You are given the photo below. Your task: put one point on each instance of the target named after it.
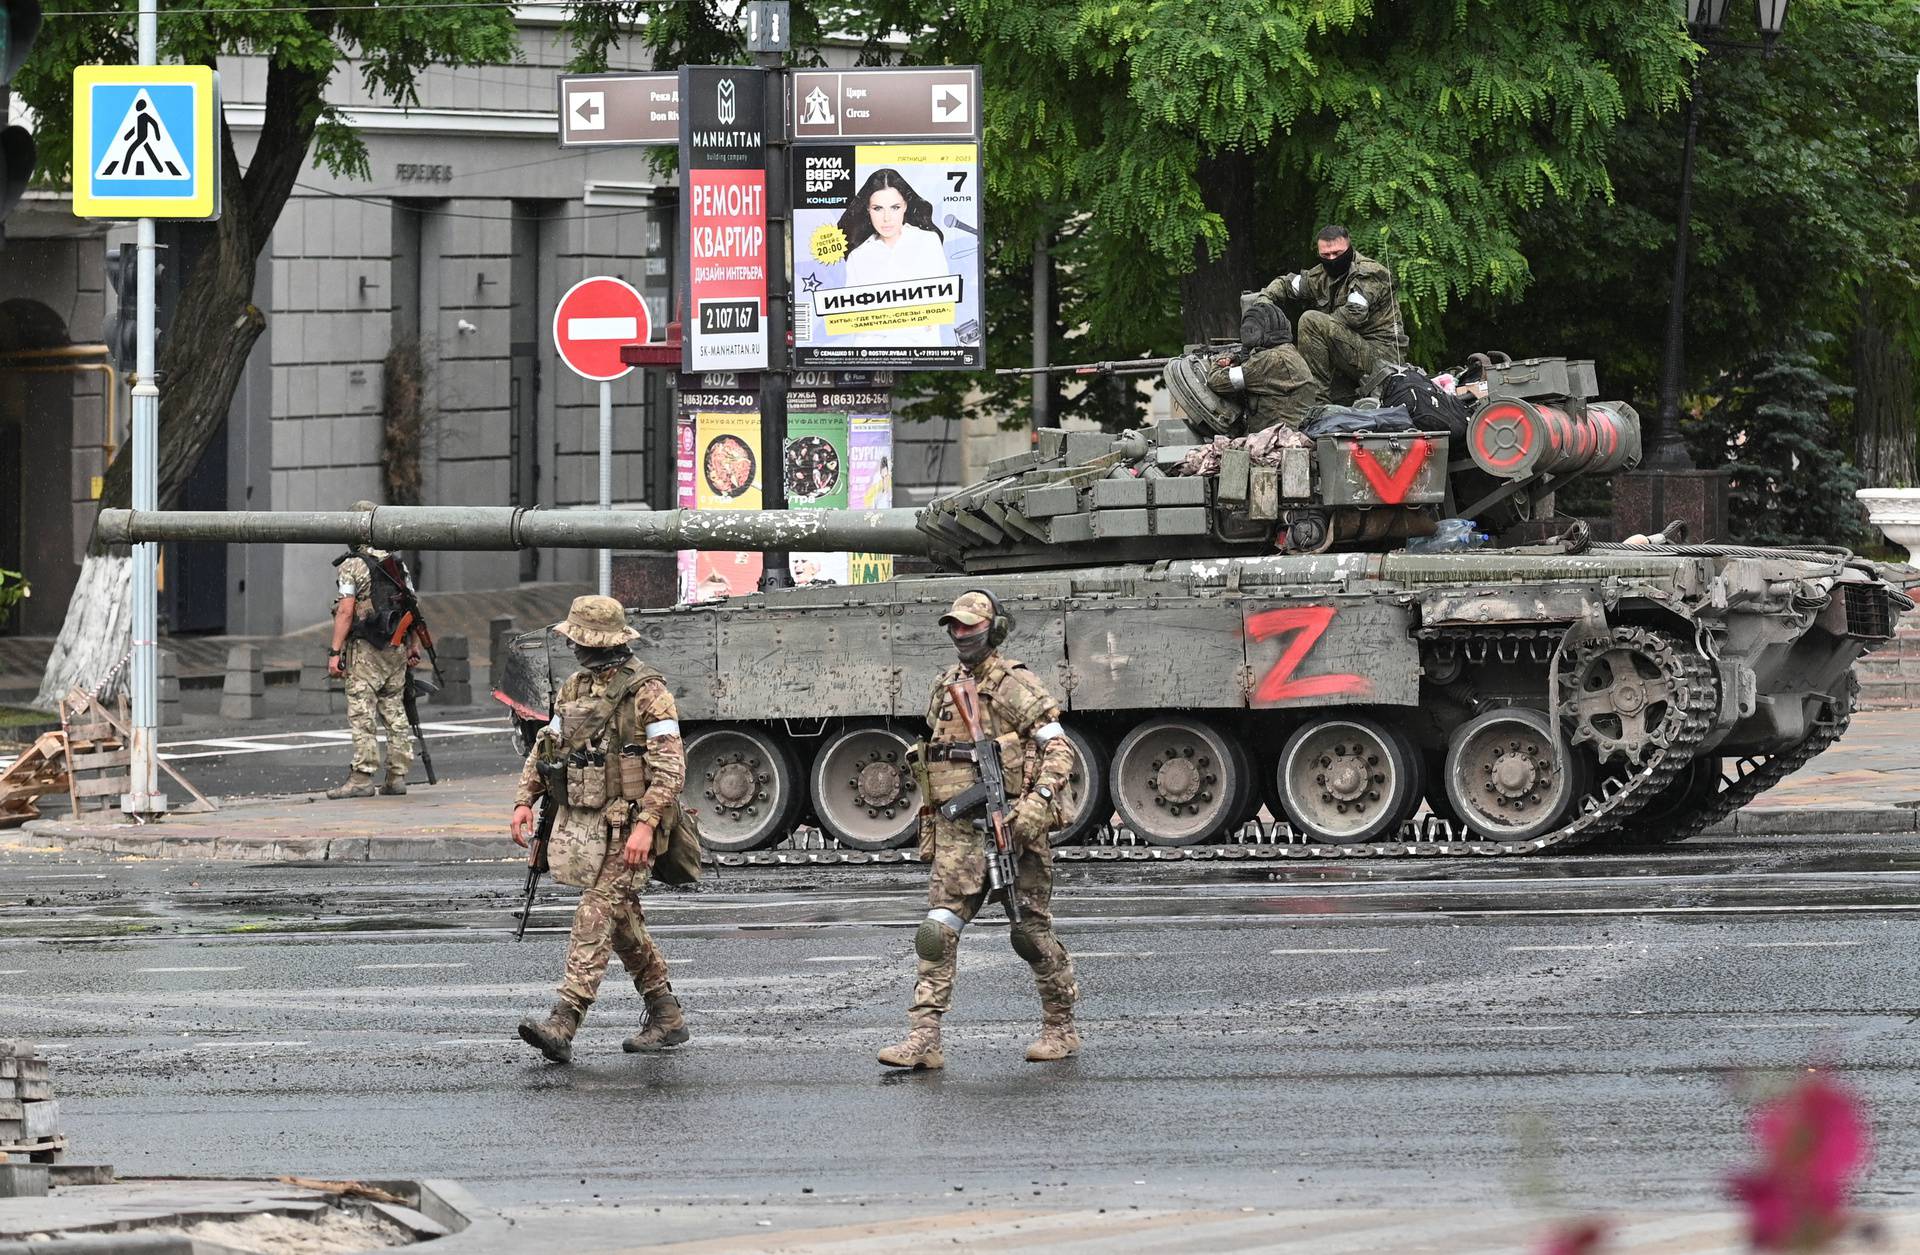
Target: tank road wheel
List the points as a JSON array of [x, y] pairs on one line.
[[1085, 801], [1671, 813], [1348, 778], [863, 790], [745, 783], [1177, 781], [1501, 776]]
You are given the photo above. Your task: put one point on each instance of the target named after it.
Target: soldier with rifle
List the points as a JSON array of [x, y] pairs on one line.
[[607, 771], [991, 775], [373, 651]]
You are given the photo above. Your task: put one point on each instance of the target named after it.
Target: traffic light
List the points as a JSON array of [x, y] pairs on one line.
[[119, 328], [19, 23]]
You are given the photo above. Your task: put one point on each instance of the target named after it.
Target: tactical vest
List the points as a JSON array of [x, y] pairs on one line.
[[948, 778]]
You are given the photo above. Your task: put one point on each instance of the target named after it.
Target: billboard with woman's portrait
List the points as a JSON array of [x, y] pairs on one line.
[[886, 256]]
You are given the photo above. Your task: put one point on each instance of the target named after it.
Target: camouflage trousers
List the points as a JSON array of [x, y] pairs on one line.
[[607, 922], [376, 685], [959, 885], [1337, 355]]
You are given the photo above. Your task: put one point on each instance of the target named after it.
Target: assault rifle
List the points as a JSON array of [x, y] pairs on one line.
[[988, 796], [548, 802], [412, 623]]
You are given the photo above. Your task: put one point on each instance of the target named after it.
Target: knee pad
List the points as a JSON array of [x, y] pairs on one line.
[[930, 939], [1026, 944]]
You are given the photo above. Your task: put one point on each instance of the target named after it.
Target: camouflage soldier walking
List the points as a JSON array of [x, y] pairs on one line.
[[1015, 707], [1352, 323], [618, 734], [1268, 371], [375, 671]]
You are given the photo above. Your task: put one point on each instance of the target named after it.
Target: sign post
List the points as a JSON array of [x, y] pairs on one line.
[[144, 146], [590, 324]]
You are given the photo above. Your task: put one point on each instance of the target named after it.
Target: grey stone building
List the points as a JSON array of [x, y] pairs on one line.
[[408, 340]]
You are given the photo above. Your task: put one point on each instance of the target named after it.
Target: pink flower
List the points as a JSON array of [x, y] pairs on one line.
[[1813, 1145], [1575, 1237]]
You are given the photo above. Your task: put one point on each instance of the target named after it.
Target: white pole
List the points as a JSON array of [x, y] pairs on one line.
[[606, 479], [144, 796]]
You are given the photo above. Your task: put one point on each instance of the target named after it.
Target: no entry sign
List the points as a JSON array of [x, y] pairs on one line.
[[593, 320]]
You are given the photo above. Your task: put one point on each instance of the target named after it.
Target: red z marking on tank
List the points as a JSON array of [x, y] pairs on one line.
[[1310, 624], [1392, 489]]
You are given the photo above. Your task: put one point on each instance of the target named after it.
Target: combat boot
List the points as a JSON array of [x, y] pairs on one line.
[[920, 1049], [665, 1027], [553, 1036], [358, 784], [396, 786], [1057, 1040]]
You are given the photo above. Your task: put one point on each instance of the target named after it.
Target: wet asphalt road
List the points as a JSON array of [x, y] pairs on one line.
[[1409, 1034]]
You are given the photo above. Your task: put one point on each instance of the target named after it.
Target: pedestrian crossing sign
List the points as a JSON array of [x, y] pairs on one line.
[[144, 141]]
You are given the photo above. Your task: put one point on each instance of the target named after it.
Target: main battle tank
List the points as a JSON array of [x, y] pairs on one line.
[[1238, 623]]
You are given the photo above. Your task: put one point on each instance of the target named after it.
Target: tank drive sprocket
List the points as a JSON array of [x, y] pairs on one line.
[[1620, 691]]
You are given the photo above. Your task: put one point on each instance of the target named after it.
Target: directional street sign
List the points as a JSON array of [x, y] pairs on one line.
[[593, 320], [904, 102], [144, 141], [608, 109]]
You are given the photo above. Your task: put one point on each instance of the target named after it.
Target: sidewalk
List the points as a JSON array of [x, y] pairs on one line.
[[1869, 783]]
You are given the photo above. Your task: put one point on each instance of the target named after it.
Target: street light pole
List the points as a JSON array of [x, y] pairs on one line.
[[1669, 449], [143, 795]]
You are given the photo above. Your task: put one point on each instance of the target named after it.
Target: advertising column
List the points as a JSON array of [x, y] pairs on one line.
[[839, 451], [722, 156]]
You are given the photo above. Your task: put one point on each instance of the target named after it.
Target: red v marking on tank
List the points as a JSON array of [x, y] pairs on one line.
[[1310, 623], [1392, 489]]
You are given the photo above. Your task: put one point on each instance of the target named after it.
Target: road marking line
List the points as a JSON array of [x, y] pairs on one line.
[[1783, 945], [845, 958], [189, 969], [480, 1041], [1112, 954], [1529, 949], [253, 743], [243, 1045], [1514, 1028], [13, 971], [1338, 950], [397, 967]]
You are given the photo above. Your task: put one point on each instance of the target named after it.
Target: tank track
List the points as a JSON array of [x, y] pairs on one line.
[[1599, 812], [1757, 775]]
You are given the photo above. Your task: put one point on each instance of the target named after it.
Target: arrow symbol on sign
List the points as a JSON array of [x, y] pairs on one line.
[[586, 109]]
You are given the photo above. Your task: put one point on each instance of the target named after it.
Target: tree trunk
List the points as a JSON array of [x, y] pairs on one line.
[[213, 332], [1884, 418], [1210, 292]]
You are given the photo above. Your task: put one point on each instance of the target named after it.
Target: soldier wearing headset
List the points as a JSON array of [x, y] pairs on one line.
[[1016, 708]]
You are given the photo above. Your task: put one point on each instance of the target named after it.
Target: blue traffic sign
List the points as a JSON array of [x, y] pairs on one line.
[[144, 141]]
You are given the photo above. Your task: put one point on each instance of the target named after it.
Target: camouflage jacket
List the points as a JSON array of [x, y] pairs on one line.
[[1375, 317], [1017, 709], [356, 581], [1276, 383], [649, 714]]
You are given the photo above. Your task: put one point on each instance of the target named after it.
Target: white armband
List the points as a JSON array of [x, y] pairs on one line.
[[1237, 380], [1356, 300], [663, 727], [1047, 731], [1296, 285], [346, 588]]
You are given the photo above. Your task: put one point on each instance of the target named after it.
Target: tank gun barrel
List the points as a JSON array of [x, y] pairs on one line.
[[510, 527]]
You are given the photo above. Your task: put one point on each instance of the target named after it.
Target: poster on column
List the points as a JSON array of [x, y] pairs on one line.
[[723, 113], [871, 441], [719, 456], [886, 256], [817, 468]]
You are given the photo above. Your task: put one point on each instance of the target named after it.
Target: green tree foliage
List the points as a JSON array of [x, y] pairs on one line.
[[1772, 427], [388, 43], [1805, 161]]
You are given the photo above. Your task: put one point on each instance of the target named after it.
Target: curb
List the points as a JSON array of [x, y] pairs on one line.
[[144, 841]]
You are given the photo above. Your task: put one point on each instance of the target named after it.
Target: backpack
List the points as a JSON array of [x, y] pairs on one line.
[[1429, 406], [1341, 420], [676, 839], [396, 603]]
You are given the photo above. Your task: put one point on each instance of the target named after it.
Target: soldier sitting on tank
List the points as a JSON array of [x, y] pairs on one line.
[[1267, 372], [1352, 323]]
